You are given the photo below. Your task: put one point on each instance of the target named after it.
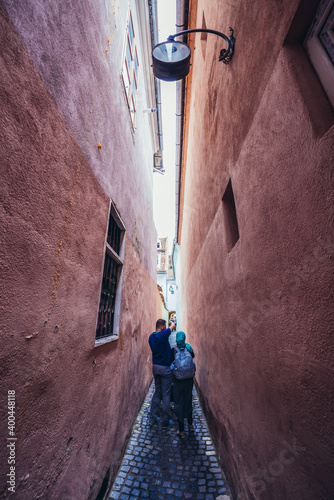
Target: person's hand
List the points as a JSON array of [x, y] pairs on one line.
[[171, 325]]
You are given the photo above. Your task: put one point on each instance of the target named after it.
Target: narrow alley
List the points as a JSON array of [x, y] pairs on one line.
[[158, 465], [217, 115]]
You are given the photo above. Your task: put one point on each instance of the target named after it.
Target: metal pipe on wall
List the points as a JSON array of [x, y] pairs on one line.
[[155, 41]]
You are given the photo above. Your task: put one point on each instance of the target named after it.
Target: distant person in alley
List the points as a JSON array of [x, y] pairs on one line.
[[161, 359], [183, 369]]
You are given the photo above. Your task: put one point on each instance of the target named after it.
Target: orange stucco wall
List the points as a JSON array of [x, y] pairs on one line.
[[260, 315]]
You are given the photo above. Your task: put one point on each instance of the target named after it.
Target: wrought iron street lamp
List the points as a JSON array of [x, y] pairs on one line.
[[171, 59]]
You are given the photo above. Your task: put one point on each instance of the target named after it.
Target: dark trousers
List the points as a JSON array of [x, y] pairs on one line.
[[163, 381], [183, 405]]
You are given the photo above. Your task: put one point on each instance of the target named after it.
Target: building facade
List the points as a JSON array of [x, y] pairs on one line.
[[162, 265], [162, 311], [171, 286], [255, 230], [78, 279]]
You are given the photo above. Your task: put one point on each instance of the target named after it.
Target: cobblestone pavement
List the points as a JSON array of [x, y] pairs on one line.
[[159, 465]]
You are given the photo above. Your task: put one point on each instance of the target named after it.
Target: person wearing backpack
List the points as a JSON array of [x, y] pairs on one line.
[[183, 369], [161, 360]]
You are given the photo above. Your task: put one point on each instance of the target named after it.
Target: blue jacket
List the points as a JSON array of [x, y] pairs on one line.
[[161, 350]]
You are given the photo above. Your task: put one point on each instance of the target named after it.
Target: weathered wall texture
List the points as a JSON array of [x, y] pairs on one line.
[[260, 315], [81, 69], [161, 311], [75, 404]]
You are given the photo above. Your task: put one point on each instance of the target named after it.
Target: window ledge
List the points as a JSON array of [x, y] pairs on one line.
[[105, 340]]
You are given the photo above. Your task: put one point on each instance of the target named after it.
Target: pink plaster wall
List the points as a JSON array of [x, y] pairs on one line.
[[260, 317], [68, 44], [75, 404]]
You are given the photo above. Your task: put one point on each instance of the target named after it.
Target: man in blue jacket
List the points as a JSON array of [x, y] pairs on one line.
[[161, 359]]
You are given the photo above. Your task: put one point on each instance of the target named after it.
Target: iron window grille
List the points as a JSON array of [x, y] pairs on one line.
[[107, 326]]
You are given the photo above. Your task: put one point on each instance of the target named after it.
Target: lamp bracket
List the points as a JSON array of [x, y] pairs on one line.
[[225, 54]]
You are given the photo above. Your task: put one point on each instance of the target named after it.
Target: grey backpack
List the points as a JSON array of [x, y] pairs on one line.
[[184, 367]]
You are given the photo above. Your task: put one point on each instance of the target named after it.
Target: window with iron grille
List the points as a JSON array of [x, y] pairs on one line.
[[130, 69], [107, 327]]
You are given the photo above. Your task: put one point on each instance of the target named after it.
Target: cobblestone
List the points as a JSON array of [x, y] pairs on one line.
[[158, 465]]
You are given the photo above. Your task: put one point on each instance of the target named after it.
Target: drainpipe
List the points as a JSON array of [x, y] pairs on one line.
[[182, 24], [155, 41]]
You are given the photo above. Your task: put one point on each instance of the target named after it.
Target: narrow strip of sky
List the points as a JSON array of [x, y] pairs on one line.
[[164, 185]]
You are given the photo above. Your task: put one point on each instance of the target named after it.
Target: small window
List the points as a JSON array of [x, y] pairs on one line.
[[107, 327], [230, 217], [319, 44], [130, 69], [128, 57]]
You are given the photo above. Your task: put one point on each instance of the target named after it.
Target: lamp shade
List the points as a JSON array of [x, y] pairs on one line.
[[171, 60]]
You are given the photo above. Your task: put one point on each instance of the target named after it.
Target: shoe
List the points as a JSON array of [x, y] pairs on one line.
[[181, 434]]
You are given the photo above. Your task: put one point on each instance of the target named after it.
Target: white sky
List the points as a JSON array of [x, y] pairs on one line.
[[164, 185]]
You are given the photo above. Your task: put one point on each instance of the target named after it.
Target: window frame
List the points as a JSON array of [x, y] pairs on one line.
[[316, 51], [119, 259], [132, 73]]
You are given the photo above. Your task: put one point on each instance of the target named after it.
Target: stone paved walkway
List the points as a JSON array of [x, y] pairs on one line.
[[159, 465]]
